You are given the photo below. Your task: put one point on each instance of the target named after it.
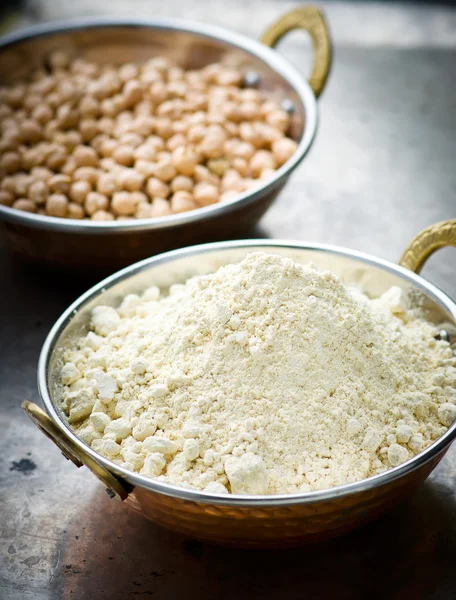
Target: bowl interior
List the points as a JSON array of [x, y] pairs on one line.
[[117, 43]]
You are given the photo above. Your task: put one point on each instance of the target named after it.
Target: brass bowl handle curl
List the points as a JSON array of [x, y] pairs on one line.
[[114, 487], [426, 243], [311, 19]]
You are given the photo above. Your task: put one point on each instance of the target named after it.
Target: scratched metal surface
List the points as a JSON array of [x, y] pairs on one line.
[[382, 168]]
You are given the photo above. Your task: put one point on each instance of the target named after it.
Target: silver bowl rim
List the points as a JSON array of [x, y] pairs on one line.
[[255, 48], [259, 501]]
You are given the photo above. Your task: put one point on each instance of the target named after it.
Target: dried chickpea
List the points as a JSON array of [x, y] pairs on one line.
[[182, 183], [57, 205], [42, 114], [205, 193], [128, 71], [196, 133], [25, 204], [232, 181], [131, 139], [158, 92], [175, 141], [107, 147], [157, 188], [249, 133], [283, 150], [211, 145], [163, 127], [106, 184], [5, 111], [38, 192], [56, 159], [30, 131], [79, 191], [89, 107], [95, 201], [145, 167], [10, 161], [145, 151], [85, 156], [67, 117], [123, 204], [89, 174], [130, 180], [261, 160], [241, 165], [278, 119], [88, 129], [58, 60], [267, 174], [202, 173], [218, 166], [22, 182], [124, 155], [143, 125], [15, 96], [41, 173], [69, 167], [59, 184], [182, 202], [75, 211], [165, 168], [72, 139], [106, 125], [102, 215], [185, 159], [160, 208], [132, 93], [6, 198]]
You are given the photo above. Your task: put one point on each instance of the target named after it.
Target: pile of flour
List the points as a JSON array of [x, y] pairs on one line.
[[265, 377]]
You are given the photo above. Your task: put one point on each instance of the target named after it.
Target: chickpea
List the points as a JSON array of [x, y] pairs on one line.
[[53, 99], [25, 204], [109, 164], [106, 184], [89, 107], [165, 168], [38, 192], [44, 86], [205, 193], [218, 166], [232, 181], [249, 111], [270, 134], [196, 133], [6, 198], [278, 119], [158, 63], [130, 180], [58, 60], [182, 202], [132, 93], [124, 155], [15, 96], [32, 101], [262, 159], [163, 127], [197, 118], [59, 184], [50, 129], [267, 174], [79, 191], [41, 173], [89, 174], [156, 187], [72, 139], [283, 150], [202, 173], [88, 129], [67, 117], [158, 92], [241, 165], [102, 215], [5, 111], [131, 139], [110, 108], [145, 168], [150, 76], [145, 151], [185, 159], [250, 95], [107, 147], [128, 71], [228, 195], [268, 106], [249, 133], [144, 125], [30, 131], [95, 201], [123, 204], [106, 125], [22, 183], [85, 156], [57, 205], [69, 167], [160, 208], [75, 211], [10, 161], [182, 183], [175, 141]]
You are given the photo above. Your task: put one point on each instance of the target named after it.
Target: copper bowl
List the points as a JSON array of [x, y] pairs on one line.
[[107, 246], [255, 521]]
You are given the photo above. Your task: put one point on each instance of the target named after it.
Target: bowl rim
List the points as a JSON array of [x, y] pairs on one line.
[[212, 32], [246, 501]]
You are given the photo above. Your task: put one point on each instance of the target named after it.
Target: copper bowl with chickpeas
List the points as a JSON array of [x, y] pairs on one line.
[[120, 139]]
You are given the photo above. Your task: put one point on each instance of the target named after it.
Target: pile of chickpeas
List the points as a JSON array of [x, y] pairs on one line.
[[86, 141]]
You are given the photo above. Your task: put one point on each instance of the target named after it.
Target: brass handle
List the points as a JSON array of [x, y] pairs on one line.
[[312, 20], [426, 243], [114, 487]]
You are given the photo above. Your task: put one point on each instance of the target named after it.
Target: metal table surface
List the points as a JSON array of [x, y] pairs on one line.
[[382, 168]]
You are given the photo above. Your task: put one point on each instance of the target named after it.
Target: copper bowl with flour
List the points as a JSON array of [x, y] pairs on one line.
[[250, 521], [106, 246]]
